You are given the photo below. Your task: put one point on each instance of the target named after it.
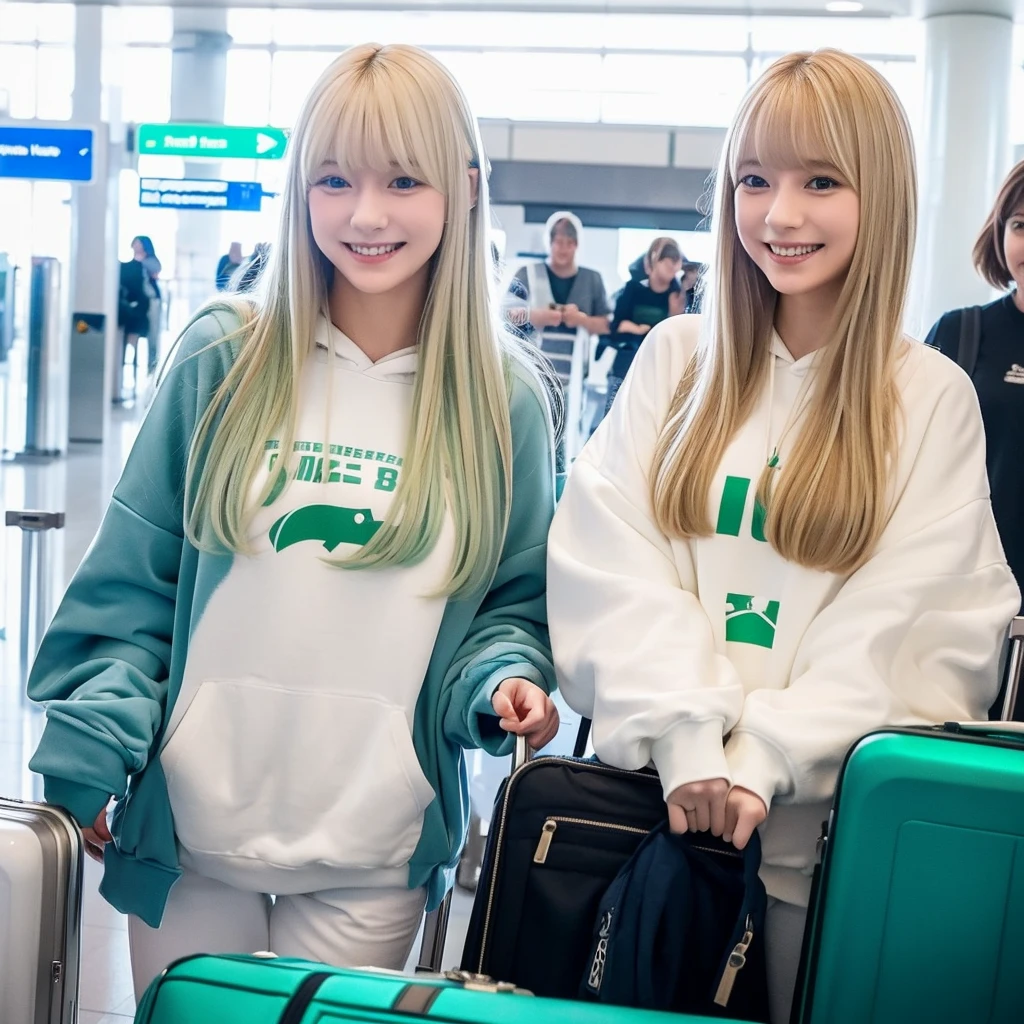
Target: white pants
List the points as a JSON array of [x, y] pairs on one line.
[[342, 927], [784, 936]]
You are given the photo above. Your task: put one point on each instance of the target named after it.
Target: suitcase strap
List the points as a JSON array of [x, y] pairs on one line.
[[296, 1008]]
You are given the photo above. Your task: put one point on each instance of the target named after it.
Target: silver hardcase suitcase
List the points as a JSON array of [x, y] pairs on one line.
[[40, 914]]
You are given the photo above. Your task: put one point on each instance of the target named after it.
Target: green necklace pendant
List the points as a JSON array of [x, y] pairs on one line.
[[773, 462]]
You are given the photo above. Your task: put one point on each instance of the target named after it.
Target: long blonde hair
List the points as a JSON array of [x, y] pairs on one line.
[[828, 506], [376, 107]]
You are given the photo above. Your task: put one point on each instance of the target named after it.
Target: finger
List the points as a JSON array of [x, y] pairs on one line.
[[744, 829], [512, 725], [702, 815], [718, 815], [731, 813], [691, 821], [503, 705], [102, 831], [94, 851], [551, 731], [677, 818], [533, 718]]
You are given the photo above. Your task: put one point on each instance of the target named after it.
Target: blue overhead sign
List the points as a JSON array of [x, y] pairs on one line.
[[53, 154], [200, 194]]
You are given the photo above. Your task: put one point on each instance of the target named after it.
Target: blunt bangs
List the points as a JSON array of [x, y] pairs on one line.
[[787, 123], [372, 117]]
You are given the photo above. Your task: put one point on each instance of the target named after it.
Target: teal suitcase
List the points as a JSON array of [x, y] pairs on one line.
[[265, 990], [918, 908]]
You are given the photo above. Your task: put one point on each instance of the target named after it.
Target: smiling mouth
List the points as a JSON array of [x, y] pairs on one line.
[[794, 250], [373, 250]]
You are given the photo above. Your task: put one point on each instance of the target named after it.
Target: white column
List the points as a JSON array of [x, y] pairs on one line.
[[198, 80], [93, 274], [964, 154]]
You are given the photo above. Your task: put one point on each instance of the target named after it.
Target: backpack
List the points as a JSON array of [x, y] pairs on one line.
[[681, 929]]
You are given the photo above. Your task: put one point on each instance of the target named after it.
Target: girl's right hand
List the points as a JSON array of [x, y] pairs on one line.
[[97, 837], [698, 806]]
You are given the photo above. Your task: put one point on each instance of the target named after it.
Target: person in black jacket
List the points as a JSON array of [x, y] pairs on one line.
[[998, 370], [642, 304]]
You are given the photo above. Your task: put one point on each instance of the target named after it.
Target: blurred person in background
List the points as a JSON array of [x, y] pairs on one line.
[[228, 264], [144, 253], [643, 303]]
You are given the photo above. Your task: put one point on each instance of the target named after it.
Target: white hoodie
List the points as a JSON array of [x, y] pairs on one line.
[[289, 757], [715, 657]]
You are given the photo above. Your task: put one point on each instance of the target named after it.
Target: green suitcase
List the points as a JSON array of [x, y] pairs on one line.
[[261, 989], [919, 896]]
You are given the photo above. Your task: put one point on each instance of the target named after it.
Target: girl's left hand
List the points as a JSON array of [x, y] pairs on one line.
[[744, 811], [526, 710]]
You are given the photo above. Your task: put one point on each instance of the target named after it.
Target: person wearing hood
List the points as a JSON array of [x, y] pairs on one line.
[[323, 568], [781, 539]]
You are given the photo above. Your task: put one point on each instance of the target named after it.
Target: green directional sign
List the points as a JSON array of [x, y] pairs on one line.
[[214, 141]]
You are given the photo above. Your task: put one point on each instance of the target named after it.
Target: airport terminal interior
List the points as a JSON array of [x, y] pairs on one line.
[[145, 144]]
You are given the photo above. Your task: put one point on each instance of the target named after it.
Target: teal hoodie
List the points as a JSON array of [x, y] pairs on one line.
[[112, 664]]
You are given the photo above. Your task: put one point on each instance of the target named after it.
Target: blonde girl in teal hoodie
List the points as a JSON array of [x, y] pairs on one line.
[[321, 575]]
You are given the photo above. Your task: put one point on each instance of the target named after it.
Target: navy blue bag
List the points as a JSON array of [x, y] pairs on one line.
[[681, 929]]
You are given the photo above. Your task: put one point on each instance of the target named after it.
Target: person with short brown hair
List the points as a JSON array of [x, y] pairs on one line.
[[988, 342]]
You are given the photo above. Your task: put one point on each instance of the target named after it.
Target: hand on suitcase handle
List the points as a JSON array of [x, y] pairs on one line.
[[97, 837], [526, 710]]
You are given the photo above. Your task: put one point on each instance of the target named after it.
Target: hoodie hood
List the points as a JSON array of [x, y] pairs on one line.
[[397, 367]]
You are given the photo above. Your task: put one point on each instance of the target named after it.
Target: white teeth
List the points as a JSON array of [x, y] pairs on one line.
[[797, 250], [372, 250]]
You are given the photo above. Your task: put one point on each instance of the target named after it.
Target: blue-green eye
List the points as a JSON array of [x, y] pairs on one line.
[[404, 183], [333, 182], [753, 181]]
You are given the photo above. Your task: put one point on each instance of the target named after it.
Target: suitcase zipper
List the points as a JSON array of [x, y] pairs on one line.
[[736, 962], [501, 833], [547, 833]]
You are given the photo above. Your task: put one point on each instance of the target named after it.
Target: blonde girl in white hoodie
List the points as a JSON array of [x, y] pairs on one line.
[[781, 538]]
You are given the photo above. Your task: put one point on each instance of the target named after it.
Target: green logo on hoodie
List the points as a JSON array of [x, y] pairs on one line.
[[750, 620], [329, 524]]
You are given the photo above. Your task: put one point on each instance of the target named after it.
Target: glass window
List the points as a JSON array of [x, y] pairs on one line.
[[56, 23], [292, 77], [146, 24], [857, 35], [247, 91], [1017, 107], [697, 91], [18, 23], [675, 32], [56, 82], [251, 26], [528, 87], [145, 83], [308, 28], [18, 79]]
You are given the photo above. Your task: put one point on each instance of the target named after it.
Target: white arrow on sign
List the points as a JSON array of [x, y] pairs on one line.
[[264, 142], [83, 152]]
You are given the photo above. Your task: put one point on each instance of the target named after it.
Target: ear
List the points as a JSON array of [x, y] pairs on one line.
[[474, 186]]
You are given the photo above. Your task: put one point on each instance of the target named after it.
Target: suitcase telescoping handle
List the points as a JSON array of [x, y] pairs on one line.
[[435, 924], [1015, 663]]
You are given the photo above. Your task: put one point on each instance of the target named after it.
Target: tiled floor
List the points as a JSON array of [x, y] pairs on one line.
[[80, 485]]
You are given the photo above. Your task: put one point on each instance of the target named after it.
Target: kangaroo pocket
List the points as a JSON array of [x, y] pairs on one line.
[[295, 778]]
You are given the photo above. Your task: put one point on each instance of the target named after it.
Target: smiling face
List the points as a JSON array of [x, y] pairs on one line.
[[799, 225], [378, 228]]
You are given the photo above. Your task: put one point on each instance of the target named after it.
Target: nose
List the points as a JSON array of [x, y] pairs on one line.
[[369, 213], [786, 210]]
